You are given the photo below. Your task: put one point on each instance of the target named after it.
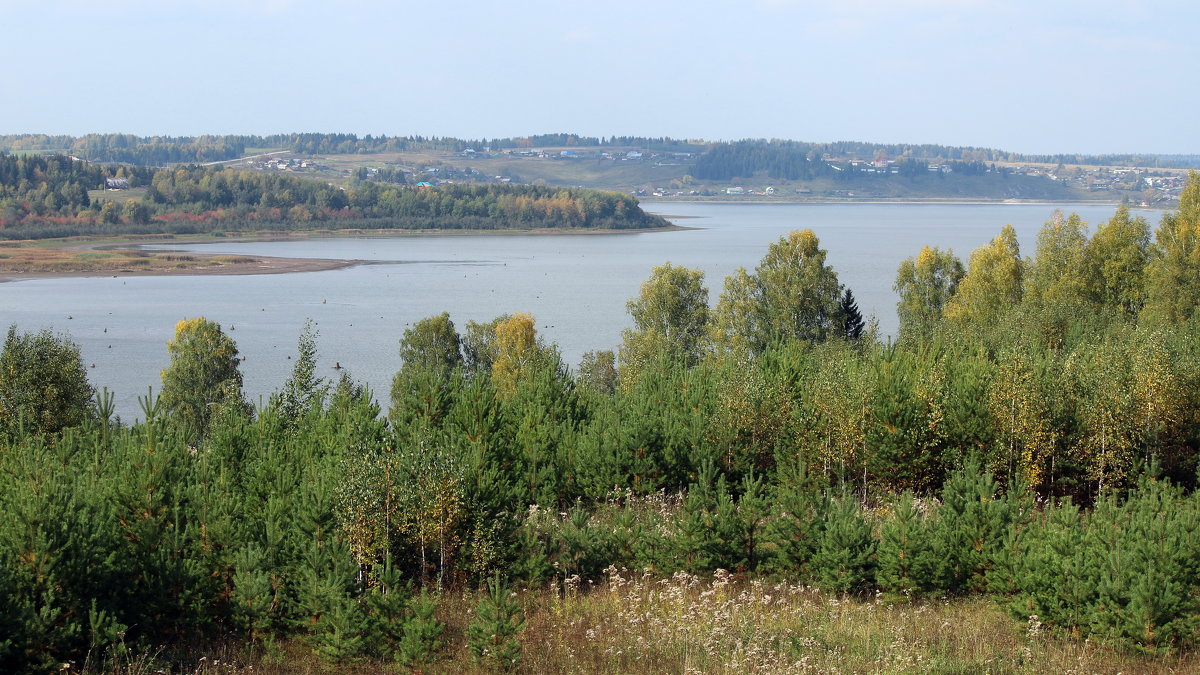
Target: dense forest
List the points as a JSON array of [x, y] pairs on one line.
[[804, 161], [44, 197], [162, 150], [1031, 436]]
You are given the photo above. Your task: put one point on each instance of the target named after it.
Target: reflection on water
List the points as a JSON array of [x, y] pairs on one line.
[[576, 286]]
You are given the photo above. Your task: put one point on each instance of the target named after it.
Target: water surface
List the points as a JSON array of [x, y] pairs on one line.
[[576, 286]]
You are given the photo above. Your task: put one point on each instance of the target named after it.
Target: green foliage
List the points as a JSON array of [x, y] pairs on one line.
[[925, 285], [314, 520], [844, 559], [792, 295], [203, 375], [798, 511], [493, 633], [422, 637], [43, 384], [970, 528], [670, 316], [993, 283], [206, 198], [1057, 276], [1126, 573], [1173, 274], [304, 391], [906, 557], [430, 354], [1116, 258], [598, 372]]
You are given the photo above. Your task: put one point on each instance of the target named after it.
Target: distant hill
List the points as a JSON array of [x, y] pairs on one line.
[[661, 167]]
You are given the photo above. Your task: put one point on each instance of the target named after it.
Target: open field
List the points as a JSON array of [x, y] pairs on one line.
[[647, 177], [117, 196]]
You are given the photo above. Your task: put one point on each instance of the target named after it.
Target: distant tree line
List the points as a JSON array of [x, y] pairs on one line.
[[932, 152], [47, 197], [789, 160], [162, 150], [131, 149]]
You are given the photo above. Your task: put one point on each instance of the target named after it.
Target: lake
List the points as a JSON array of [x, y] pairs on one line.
[[576, 286]]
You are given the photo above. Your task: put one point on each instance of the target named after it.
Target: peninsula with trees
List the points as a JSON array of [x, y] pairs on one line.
[[59, 196]]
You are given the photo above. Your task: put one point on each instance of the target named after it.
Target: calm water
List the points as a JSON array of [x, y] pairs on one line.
[[576, 286]]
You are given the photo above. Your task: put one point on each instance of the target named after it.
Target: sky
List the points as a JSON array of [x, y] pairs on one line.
[[1031, 76]]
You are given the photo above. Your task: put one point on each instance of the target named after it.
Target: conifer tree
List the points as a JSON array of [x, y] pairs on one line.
[[970, 529], [907, 561], [798, 509], [845, 556], [303, 391], [422, 633], [492, 634], [852, 323]]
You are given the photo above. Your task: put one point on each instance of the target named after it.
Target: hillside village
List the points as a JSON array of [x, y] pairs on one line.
[[652, 173]]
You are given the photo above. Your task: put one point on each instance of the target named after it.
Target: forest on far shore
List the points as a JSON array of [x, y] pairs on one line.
[[46, 197]]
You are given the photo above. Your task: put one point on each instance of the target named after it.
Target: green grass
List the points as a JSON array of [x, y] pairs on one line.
[[117, 196]]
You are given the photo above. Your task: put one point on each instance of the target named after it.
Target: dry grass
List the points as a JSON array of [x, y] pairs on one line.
[[38, 259], [638, 623]]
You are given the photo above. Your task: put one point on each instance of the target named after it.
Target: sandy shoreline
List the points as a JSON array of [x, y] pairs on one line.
[[261, 264]]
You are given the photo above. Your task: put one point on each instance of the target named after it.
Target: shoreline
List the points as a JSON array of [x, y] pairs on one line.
[[207, 264], [896, 202], [264, 265]]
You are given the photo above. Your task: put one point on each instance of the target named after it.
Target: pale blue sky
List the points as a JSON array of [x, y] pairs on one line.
[[1025, 75]]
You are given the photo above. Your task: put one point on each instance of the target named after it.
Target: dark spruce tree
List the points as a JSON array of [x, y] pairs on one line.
[[852, 319]]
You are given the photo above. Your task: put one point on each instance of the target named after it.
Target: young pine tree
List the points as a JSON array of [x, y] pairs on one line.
[[906, 559], [422, 633], [845, 556], [492, 635]]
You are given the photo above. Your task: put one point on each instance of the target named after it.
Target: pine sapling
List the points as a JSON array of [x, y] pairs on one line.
[[493, 633]]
